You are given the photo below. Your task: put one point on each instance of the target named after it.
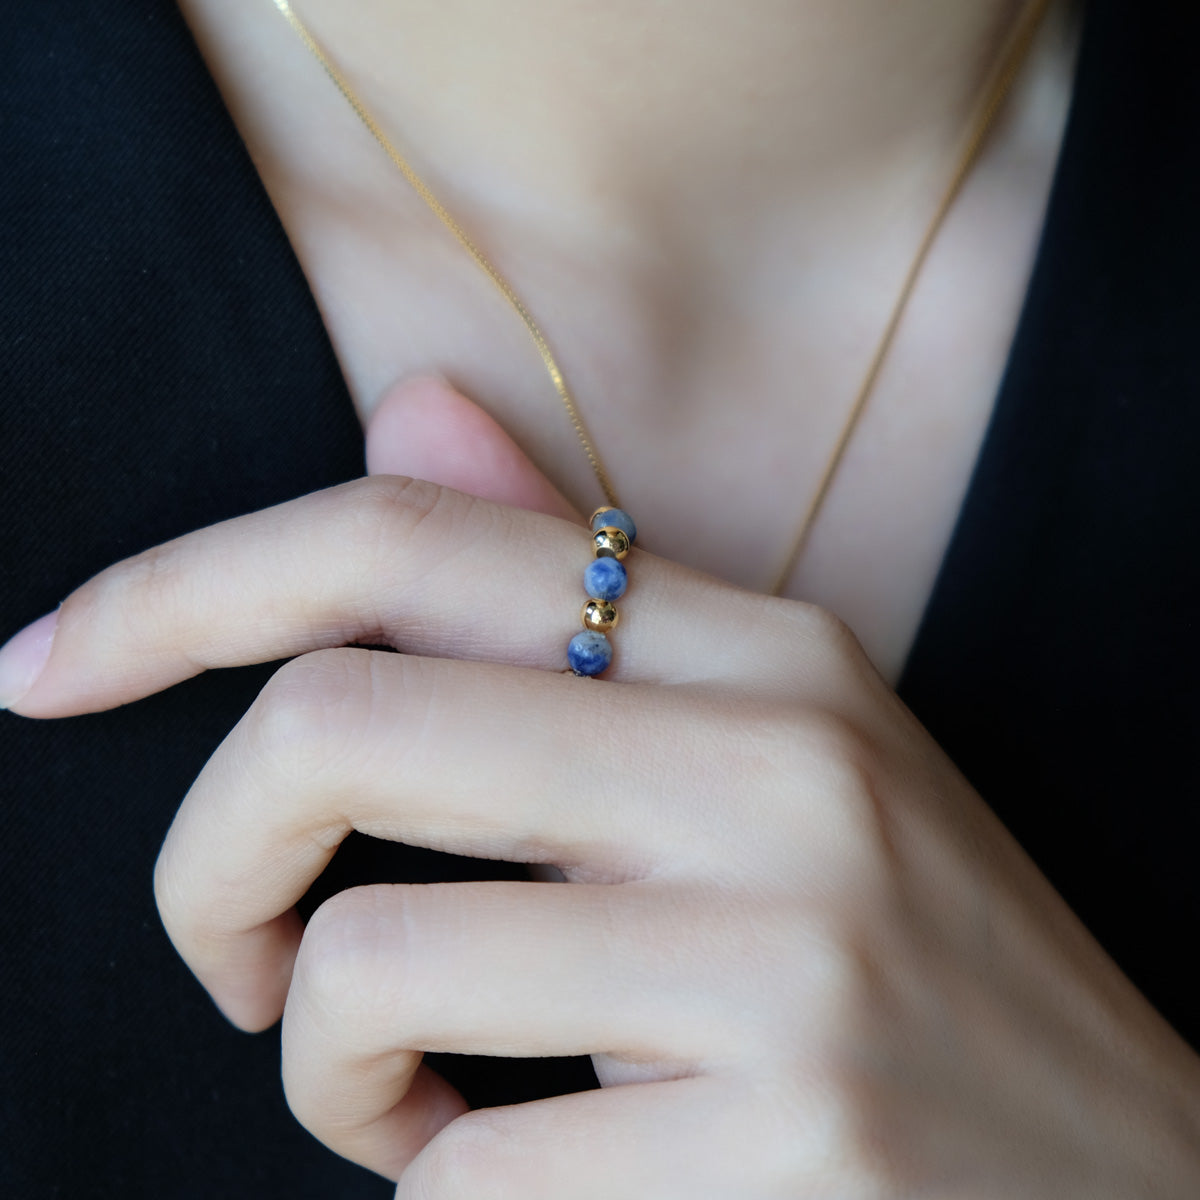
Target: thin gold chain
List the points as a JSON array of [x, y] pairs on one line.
[[1002, 79], [1007, 70]]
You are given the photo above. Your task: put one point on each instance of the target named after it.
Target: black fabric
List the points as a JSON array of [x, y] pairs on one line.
[[1058, 659], [164, 367]]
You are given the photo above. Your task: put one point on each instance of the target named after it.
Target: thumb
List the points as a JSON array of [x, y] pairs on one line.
[[425, 429]]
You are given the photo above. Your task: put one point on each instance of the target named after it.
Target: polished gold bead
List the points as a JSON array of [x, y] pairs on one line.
[[599, 616], [610, 542]]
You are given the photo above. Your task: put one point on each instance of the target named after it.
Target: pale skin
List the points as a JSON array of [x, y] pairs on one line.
[[806, 958], [713, 307]]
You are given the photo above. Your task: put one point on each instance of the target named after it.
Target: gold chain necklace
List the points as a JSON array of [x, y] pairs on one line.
[[1003, 76]]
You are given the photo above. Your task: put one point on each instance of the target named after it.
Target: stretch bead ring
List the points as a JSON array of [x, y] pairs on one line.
[[613, 534]]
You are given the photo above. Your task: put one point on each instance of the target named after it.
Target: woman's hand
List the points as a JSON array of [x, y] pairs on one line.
[[807, 959]]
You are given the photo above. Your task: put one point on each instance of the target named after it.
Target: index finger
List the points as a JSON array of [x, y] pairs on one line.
[[391, 560]]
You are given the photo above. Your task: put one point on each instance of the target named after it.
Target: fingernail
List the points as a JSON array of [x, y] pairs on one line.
[[22, 658]]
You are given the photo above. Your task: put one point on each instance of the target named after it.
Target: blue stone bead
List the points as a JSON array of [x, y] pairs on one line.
[[589, 653], [605, 579], [618, 519]]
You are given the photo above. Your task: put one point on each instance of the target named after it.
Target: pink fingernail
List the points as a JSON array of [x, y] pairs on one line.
[[22, 658]]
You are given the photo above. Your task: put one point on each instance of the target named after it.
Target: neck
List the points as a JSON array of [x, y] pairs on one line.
[[709, 210], [693, 117]]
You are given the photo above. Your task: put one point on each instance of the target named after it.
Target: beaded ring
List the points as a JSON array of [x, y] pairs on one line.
[[613, 533]]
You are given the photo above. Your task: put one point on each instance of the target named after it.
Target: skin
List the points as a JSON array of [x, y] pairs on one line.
[[693, 300], [806, 958]]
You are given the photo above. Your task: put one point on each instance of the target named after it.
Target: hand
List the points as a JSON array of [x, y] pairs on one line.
[[807, 959]]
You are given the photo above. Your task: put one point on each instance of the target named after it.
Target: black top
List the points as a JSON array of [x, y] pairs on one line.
[[164, 366]]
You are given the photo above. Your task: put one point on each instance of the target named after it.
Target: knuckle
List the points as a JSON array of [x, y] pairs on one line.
[[811, 643], [391, 502], [835, 1098], [858, 1151], [136, 599], [820, 1136], [840, 755], [828, 630], [342, 975], [814, 751], [183, 918], [818, 964], [387, 511], [309, 716], [818, 777], [469, 1157], [167, 896], [198, 918], [153, 575]]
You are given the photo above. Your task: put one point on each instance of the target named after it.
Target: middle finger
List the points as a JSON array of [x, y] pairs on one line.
[[487, 761]]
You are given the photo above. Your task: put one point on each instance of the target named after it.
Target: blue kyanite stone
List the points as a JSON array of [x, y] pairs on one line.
[[617, 518], [589, 653], [605, 579]]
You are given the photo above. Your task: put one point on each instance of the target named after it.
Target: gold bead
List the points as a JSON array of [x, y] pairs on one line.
[[599, 615], [610, 542]]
